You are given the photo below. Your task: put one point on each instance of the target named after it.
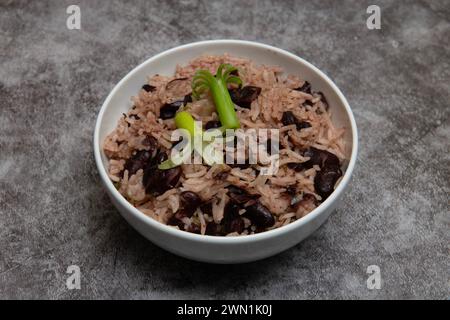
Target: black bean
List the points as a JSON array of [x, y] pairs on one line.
[[170, 178], [149, 174], [190, 202], [159, 181], [235, 225], [259, 229], [175, 220], [322, 158], [206, 208], [169, 110], [154, 161], [138, 161], [308, 103], [152, 165], [135, 116], [241, 196], [231, 211], [150, 142], [212, 229], [244, 97], [189, 199], [148, 88], [306, 87], [187, 99], [184, 213], [194, 228], [302, 125], [288, 119], [213, 124], [326, 179], [296, 166], [259, 215], [232, 222]]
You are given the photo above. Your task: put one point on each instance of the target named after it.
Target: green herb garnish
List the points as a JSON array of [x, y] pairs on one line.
[[183, 120], [218, 86]]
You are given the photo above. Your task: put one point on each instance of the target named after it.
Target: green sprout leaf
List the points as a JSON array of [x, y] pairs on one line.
[[217, 85]]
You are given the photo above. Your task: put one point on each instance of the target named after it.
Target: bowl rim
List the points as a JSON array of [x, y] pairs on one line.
[[142, 218]]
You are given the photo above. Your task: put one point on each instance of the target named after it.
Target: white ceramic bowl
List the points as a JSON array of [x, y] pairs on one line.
[[223, 249]]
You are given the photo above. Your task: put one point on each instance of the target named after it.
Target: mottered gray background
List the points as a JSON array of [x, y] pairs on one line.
[[54, 212]]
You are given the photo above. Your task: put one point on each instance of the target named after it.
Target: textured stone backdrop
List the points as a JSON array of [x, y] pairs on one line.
[[54, 213]]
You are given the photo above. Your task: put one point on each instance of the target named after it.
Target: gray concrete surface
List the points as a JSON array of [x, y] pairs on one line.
[[54, 213]]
